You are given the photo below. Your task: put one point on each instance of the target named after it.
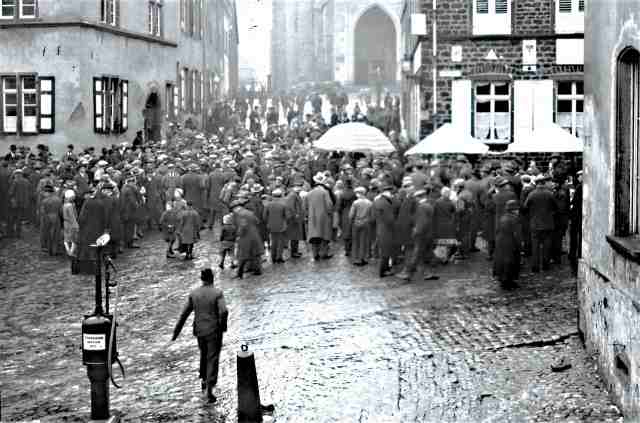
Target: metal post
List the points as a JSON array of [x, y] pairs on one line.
[[98, 310]]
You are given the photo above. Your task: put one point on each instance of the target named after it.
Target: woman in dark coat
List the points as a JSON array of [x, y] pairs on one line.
[[250, 246], [343, 206], [506, 266]]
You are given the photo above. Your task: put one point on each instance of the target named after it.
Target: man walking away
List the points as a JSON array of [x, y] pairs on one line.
[[209, 323]]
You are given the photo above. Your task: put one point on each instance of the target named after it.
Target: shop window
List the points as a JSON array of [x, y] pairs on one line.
[[27, 104], [627, 186], [570, 105], [110, 105], [492, 112], [491, 17]]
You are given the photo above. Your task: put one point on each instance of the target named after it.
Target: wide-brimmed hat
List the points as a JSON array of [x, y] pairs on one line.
[[277, 192], [319, 178]]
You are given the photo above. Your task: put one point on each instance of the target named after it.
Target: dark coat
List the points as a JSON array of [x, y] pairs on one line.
[[506, 264], [445, 212], [193, 186], [113, 220], [129, 202], [500, 201], [383, 213], [93, 223], [343, 206], [320, 209], [20, 193], [189, 226], [275, 216], [216, 180], [425, 223], [541, 207], [250, 245], [405, 220], [51, 222], [210, 312], [295, 224]]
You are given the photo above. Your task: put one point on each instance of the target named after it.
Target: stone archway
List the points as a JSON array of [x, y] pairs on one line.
[[375, 47], [153, 118]]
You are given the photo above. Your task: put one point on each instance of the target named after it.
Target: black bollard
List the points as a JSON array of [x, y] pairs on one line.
[[249, 410]]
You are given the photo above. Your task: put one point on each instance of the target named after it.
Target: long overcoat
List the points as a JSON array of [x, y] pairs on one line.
[[192, 184], [50, 222], [295, 223], [319, 211], [250, 245], [216, 180], [445, 215], [189, 226], [383, 213], [506, 264], [129, 202], [405, 220], [92, 222], [343, 206]]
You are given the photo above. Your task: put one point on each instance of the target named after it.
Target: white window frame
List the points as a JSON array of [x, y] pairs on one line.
[[183, 15], [3, 4], [24, 119], [574, 97], [6, 120], [154, 18], [492, 97], [110, 105], [105, 17], [491, 22], [570, 22], [33, 3]]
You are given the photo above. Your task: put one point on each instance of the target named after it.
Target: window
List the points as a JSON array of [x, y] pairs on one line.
[[18, 9], [183, 88], [154, 18], [627, 193], [110, 105], [110, 12], [493, 112], [194, 91], [168, 101], [491, 17], [26, 104], [183, 14], [569, 16], [569, 106]]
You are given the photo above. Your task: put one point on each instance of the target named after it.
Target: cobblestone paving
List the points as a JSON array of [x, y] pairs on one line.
[[332, 342]]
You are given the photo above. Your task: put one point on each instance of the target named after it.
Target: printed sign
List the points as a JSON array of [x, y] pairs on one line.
[[93, 342], [456, 54], [529, 55]]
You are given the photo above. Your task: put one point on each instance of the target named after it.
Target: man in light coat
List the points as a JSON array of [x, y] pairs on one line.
[[320, 215]]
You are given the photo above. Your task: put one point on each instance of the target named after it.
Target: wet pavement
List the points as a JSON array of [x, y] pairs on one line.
[[332, 342]]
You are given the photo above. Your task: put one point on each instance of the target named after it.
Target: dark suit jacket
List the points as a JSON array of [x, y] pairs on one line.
[[210, 312], [423, 229], [275, 216], [541, 207]]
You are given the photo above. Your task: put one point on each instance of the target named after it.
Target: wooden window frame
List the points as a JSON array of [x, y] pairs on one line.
[[109, 9], [492, 97], [574, 97], [52, 93], [19, 91], [22, 104]]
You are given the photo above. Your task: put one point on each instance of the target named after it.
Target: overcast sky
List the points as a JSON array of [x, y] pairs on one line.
[[254, 25]]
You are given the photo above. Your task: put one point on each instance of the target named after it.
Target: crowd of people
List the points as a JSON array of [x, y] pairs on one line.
[[266, 194]]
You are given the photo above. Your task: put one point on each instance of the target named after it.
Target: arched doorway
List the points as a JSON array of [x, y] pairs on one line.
[[153, 118], [375, 48]]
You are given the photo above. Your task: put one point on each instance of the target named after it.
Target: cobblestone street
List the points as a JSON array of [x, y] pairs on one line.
[[332, 342]]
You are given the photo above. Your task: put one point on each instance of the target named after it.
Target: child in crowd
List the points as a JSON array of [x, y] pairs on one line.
[[227, 239], [169, 223]]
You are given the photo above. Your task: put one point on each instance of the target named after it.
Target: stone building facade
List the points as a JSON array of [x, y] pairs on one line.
[[95, 72], [496, 68], [609, 275], [335, 40]]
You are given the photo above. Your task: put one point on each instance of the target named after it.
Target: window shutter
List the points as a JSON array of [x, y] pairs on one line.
[[565, 6], [581, 5], [482, 6], [502, 6], [46, 112], [98, 106], [124, 86], [543, 103], [523, 110], [461, 105]]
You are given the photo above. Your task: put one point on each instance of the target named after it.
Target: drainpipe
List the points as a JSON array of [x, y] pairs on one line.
[[435, 66]]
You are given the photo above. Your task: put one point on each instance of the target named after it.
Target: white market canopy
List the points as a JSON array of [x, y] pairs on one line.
[[449, 139], [550, 139], [354, 137]]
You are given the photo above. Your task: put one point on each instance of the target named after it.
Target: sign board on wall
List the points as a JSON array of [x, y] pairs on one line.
[[456, 54], [418, 24], [529, 52], [450, 73]]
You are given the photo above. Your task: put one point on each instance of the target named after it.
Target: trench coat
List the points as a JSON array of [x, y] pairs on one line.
[[383, 213], [189, 226], [112, 206], [249, 245], [216, 180], [295, 223], [275, 216], [405, 220], [320, 214], [506, 264], [129, 202]]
